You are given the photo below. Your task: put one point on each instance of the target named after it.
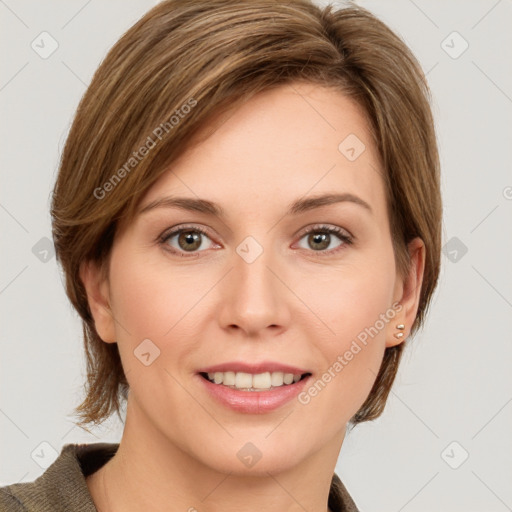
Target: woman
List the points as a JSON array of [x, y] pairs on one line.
[[248, 218]]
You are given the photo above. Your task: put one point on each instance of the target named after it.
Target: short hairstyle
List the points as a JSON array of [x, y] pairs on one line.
[[180, 66]]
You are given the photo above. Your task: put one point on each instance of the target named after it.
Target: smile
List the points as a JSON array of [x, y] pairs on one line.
[[244, 381]]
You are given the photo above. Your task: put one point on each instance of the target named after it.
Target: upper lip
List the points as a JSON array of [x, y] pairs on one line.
[[255, 368]]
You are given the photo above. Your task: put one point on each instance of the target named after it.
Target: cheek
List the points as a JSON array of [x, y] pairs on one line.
[[360, 303], [153, 302], [150, 299], [352, 296], [358, 309]]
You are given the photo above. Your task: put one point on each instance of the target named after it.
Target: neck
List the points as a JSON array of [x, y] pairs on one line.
[[149, 472]]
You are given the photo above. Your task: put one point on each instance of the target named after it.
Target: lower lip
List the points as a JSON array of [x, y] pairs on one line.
[[254, 402]]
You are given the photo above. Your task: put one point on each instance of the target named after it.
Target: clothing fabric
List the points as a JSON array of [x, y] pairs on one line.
[[62, 487]]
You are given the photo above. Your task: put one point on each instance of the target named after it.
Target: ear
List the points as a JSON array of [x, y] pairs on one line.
[[407, 293], [96, 285]]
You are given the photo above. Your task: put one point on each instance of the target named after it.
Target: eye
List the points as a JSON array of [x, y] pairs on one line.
[[186, 239], [319, 238], [190, 239]]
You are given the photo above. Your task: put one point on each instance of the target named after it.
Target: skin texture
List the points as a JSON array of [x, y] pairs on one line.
[[296, 304]]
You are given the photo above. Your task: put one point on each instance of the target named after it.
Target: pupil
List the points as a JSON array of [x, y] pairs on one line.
[[189, 237], [320, 239]]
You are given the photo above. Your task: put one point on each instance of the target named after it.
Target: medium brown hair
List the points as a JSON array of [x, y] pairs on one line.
[[212, 56]]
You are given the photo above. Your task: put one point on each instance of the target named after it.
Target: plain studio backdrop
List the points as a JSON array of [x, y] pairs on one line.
[[443, 442]]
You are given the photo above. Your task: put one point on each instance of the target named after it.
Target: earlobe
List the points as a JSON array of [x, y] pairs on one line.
[[409, 294], [398, 335], [97, 289]]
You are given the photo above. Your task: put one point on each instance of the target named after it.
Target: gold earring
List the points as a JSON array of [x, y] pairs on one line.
[[399, 335]]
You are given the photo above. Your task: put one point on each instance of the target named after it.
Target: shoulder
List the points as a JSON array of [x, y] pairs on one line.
[[62, 487], [339, 498], [9, 502]]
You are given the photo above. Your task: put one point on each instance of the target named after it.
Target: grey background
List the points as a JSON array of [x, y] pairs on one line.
[[454, 385]]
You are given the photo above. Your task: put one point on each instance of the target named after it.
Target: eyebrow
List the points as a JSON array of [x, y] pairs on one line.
[[210, 208]]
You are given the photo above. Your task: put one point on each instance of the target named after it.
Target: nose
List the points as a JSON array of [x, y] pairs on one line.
[[253, 297]]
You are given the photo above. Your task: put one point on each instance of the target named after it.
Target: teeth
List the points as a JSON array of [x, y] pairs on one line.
[[261, 381], [277, 379], [229, 379], [288, 378], [243, 380], [254, 382]]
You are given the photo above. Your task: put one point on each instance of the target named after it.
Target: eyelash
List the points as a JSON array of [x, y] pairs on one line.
[[321, 228]]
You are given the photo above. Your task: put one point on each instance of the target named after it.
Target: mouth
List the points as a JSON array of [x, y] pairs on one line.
[[254, 382], [253, 388]]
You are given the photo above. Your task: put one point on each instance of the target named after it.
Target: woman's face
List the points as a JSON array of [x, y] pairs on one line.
[[256, 293]]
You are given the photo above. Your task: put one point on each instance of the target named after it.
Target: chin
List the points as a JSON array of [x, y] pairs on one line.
[[251, 454]]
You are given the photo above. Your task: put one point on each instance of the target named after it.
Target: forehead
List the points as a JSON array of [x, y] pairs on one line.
[[284, 143]]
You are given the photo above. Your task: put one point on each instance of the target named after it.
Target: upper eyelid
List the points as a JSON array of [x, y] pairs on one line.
[[324, 227], [207, 229], [171, 232]]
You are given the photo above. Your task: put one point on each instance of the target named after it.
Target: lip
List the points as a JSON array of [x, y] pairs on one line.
[[254, 368], [254, 402]]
